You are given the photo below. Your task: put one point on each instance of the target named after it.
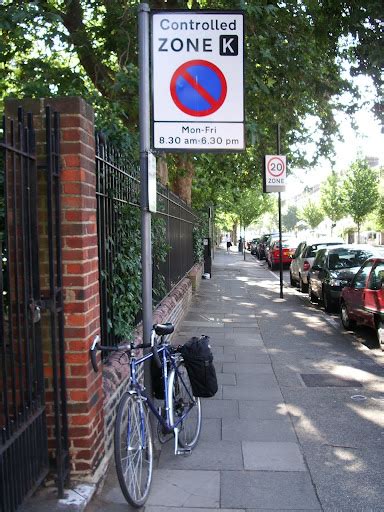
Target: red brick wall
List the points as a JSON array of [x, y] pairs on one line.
[[80, 277]]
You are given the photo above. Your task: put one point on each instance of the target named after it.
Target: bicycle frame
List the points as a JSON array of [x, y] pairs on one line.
[[135, 386]]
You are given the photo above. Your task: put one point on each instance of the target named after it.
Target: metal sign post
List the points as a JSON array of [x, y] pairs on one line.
[[144, 122], [274, 178], [279, 204]]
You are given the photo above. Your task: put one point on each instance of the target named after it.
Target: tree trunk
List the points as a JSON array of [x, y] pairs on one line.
[[182, 184]]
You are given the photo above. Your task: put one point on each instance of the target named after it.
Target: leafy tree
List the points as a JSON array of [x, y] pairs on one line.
[[289, 219], [295, 56], [380, 213], [361, 191], [312, 214], [332, 200]]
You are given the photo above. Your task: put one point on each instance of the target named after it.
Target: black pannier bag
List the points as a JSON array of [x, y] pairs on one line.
[[157, 380], [198, 359]]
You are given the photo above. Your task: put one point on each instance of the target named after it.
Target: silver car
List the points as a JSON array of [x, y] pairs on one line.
[[303, 258]]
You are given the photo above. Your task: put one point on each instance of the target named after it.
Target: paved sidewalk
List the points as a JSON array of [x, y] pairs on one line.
[[248, 456], [298, 421]]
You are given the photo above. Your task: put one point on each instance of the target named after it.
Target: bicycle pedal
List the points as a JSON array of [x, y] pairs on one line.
[[183, 451]]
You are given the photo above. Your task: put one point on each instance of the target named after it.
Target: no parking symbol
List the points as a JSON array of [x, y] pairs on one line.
[[198, 88]]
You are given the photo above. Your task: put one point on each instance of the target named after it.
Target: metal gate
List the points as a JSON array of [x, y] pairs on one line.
[[29, 207]]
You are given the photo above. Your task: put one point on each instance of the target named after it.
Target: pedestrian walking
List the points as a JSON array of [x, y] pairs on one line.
[[229, 243]]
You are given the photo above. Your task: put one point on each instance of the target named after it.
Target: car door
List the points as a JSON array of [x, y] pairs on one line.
[[356, 293], [373, 299], [317, 273], [296, 260]]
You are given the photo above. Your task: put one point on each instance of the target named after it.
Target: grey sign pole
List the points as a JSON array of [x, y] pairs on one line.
[[144, 122], [279, 202]]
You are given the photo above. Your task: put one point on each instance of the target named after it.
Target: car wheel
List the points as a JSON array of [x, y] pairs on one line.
[[345, 318], [380, 333], [303, 286], [327, 302], [291, 280], [312, 296]]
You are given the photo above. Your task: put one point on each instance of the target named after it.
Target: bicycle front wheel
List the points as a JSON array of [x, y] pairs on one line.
[[133, 449], [183, 405]]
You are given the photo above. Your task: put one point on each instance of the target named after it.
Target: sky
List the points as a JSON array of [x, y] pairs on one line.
[[367, 140]]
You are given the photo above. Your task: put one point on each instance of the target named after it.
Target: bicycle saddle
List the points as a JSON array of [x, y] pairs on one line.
[[164, 329]]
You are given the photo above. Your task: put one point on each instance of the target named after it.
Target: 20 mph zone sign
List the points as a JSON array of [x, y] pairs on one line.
[[197, 80], [275, 173]]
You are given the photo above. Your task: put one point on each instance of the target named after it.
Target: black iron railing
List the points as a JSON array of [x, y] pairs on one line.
[[118, 184], [23, 431], [30, 200]]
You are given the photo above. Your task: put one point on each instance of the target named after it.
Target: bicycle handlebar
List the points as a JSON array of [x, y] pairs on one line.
[[127, 347]]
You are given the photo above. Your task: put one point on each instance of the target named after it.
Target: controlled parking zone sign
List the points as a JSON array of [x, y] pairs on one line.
[[275, 173], [197, 80]]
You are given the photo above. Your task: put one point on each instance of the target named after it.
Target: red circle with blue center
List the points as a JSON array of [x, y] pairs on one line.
[[198, 88]]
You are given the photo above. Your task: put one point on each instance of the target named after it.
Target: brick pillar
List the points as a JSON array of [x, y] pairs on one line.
[[80, 277]]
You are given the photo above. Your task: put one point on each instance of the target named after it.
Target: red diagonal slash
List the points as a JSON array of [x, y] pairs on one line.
[[198, 88]]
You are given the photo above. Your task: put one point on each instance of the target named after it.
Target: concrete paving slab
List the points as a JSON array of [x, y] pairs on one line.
[[215, 408], [221, 340], [257, 380], [188, 509], [242, 341], [272, 456], [229, 379], [263, 410], [252, 393], [220, 356], [202, 325], [172, 488], [217, 455], [266, 490], [257, 430], [248, 368], [211, 430], [248, 354]]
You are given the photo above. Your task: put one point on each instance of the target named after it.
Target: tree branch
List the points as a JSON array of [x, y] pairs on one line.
[[100, 74]]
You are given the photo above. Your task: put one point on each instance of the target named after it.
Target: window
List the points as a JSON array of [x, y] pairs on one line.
[[362, 275], [299, 250], [320, 258], [377, 277], [311, 251]]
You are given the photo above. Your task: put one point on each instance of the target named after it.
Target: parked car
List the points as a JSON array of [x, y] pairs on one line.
[[288, 246], [252, 246], [362, 300], [260, 248], [333, 268], [268, 243], [303, 258]]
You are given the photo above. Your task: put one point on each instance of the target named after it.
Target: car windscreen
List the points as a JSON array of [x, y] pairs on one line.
[[312, 249], [347, 258], [285, 244]]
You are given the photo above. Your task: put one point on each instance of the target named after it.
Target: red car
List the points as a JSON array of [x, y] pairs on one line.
[[362, 300], [288, 249]]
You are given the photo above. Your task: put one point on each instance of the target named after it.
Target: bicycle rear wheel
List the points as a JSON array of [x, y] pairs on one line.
[[182, 401], [133, 449]]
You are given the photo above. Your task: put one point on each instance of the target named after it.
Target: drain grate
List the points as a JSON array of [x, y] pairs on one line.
[[319, 380]]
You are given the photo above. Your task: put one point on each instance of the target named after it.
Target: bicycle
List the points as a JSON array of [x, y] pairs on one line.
[[179, 415]]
